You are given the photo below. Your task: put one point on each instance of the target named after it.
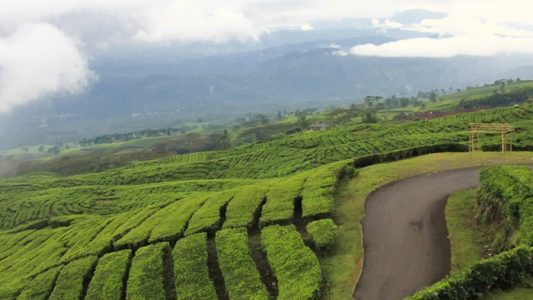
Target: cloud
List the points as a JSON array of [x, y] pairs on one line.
[[40, 55], [195, 20], [386, 24], [306, 27], [446, 47], [478, 28], [38, 60]]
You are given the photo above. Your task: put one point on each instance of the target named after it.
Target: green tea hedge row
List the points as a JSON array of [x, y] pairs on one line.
[[287, 155], [69, 284], [318, 189], [506, 196], [207, 217], [240, 274], [41, 286], [324, 233], [498, 272], [295, 266], [115, 229], [145, 280], [190, 268], [400, 154], [245, 203], [78, 240], [280, 200], [107, 282], [174, 222], [139, 234], [177, 213]]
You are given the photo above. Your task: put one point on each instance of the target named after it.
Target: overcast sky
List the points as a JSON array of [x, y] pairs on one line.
[[44, 44]]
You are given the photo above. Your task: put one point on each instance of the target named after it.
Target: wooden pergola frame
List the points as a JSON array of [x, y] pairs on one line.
[[491, 128]]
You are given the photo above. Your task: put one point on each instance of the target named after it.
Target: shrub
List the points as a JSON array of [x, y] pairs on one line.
[[190, 268], [146, 275], [176, 218], [69, 284], [505, 196], [238, 268], [109, 276], [295, 265], [41, 286], [498, 272], [324, 233], [207, 217], [368, 160], [244, 205], [280, 200]]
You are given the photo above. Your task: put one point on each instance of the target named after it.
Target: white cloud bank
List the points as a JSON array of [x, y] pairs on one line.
[[38, 60], [195, 20], [447, 47], [471, 27], [38, 57]]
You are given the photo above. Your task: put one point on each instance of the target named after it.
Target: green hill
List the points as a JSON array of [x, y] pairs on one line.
[[497, 94], [234, 223]]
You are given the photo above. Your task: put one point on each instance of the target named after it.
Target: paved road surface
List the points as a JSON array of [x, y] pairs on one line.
[[405, 235]]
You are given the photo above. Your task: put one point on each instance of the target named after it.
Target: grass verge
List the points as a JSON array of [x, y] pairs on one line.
[[465, 235]]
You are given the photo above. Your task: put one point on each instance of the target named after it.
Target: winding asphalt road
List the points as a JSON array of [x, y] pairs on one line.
[[405, 235]]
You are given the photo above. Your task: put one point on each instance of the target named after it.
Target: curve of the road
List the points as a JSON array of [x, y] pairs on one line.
[[405, 235]]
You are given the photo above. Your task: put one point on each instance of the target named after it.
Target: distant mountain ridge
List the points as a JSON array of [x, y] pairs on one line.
[[133, 95]]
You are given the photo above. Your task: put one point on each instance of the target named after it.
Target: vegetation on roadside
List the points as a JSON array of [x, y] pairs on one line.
[[504, 198], [323, 232], [467, 237], [342, 268]]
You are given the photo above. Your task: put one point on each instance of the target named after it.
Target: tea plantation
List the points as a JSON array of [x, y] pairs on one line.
[[250, 222]]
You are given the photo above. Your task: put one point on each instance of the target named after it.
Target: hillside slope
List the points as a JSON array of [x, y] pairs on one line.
[[164, 227]]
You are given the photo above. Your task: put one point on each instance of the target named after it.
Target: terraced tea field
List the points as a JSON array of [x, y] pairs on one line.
[[253, 222]]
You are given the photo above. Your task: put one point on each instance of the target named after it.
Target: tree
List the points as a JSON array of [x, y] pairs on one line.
[[263, 119], [371, 100], [433, 97], [502, 88], [461, 104], [54, 150], [41, 148], [223, 141], [404, 102], [369, 116], [302, 120]]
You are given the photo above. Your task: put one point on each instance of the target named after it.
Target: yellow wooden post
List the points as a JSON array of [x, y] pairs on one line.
[[503, 141], [511, 140]]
